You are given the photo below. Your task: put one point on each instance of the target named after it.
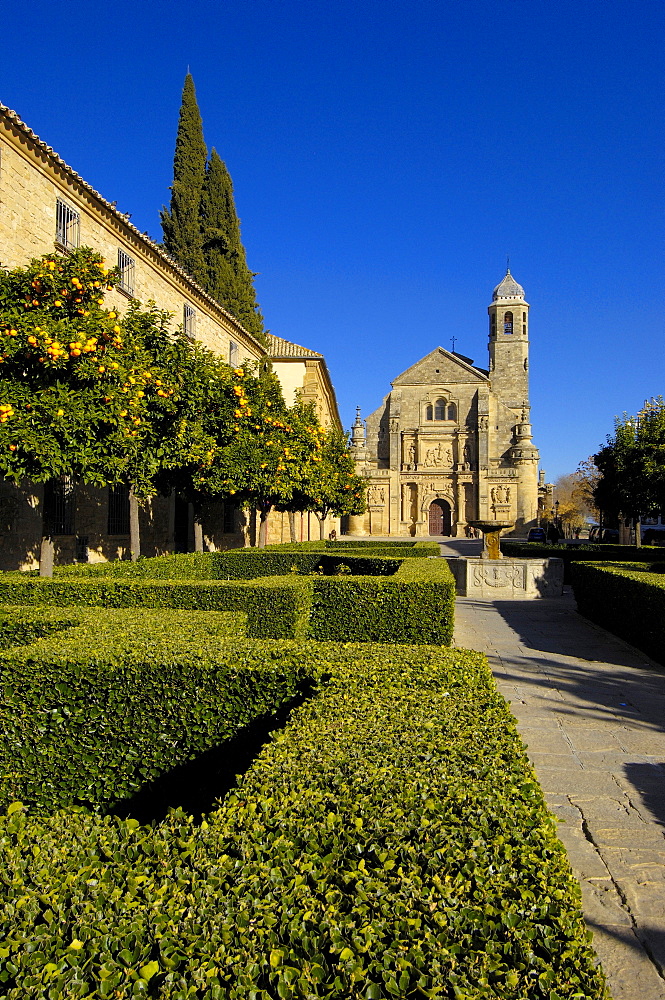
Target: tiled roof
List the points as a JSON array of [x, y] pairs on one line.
[[279, 348], [508, 288], [49, 152]]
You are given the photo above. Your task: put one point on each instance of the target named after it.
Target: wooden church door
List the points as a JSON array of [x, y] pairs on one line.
[[439, 518]]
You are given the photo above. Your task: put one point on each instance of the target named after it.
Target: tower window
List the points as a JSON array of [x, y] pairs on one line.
[[440, 409], [428, 412], [508, 322]]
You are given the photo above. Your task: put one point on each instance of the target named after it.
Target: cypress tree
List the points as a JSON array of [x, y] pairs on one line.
[[180, 223], [227, 277]]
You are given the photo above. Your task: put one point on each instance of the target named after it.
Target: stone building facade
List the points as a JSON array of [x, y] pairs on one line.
[[451, 443], [46, 205]]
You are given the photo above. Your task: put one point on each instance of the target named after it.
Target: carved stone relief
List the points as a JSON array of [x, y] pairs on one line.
[[439, 457]]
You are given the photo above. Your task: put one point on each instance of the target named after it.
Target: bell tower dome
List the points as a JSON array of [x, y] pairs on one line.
[[509, 343]]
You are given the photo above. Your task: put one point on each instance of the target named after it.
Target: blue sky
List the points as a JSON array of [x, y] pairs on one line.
[[386, 158]]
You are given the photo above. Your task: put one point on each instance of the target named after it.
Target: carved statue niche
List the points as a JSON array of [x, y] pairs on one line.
[[376, 496]]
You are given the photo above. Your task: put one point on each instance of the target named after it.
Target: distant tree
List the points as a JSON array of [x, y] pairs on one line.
[[180, 222], [631, 466], [587, 477], [227, 277], [573, 507]]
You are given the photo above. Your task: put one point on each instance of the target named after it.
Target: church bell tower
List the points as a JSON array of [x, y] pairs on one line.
[[509, 343]]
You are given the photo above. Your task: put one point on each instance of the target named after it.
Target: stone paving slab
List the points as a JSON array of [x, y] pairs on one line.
[[591, 710]]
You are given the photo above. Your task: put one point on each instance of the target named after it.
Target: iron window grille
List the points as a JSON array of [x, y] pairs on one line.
[[189, 320], [126, 267], [229, 523], [59, 506], [118, 513], [67, 225]]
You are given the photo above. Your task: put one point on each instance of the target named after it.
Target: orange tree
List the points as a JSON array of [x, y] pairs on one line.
[[77, 386], [272, 447], [330, 484]]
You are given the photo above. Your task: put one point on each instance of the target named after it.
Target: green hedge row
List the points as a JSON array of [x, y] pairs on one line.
[[626, 599], [518, 548], [416, 605], [276, 607], [93, 713], [399, 547], [244, 564], [391, 842]]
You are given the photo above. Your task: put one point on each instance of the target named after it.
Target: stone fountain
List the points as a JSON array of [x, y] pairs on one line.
[[493, 575]]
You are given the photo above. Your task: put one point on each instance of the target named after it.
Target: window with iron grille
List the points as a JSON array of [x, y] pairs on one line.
[[126, 268], [59, 506], [229, 525], [67, 225], [189, 320], [234, 353], [118, 519]]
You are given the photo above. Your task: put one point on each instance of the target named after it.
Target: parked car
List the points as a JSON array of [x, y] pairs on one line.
[[536, 535]]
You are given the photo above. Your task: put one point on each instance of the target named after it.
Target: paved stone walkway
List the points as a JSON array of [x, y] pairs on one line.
[[591, 710]]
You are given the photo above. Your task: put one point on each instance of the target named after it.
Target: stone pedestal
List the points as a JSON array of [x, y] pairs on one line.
[[507, 579]]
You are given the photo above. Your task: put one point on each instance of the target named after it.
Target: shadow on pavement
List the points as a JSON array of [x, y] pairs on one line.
[[649, 779]]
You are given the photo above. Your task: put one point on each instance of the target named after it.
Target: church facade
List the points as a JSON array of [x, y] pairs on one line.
[[451, 443]]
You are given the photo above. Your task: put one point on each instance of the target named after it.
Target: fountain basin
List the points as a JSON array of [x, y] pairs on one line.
[[507, 579]]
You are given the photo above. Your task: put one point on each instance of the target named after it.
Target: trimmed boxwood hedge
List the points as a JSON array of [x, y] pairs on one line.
[[627, 599], [391, 842], [417, 605], [519, 548], [92, 713], [276, 607]]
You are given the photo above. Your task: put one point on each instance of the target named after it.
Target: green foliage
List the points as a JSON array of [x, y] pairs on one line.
[[75, 381], [276, 607], [391, 842], [330, 484], [201, 227], [180, 223], [632, 465], [627, 599], [417, 605], [227, 277], [91, 713], [517, 548]]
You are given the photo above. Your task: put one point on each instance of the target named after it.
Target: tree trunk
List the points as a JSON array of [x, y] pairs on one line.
[[292, 525], [134, 529], [638, 532], [198, 532], [263, 529], [170, 538], [46, 556], [322, 525]]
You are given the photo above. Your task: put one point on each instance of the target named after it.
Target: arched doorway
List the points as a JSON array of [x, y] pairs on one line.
[[439, 518]]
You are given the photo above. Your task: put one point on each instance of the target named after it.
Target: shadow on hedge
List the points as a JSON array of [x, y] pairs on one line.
[[197, 785]]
